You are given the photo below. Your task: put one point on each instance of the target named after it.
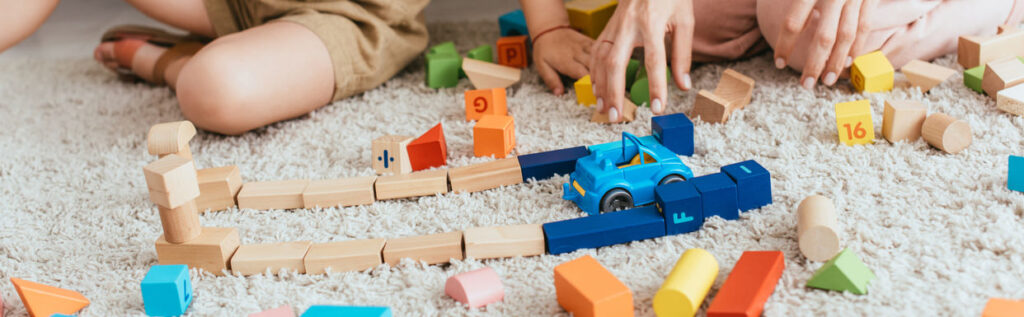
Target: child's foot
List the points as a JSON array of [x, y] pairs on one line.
[[145, 53], [132, 56]]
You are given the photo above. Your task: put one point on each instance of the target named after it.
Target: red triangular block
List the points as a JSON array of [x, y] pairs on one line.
[[44, 300], [429, 150]]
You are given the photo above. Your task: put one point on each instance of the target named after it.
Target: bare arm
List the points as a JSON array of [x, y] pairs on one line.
[[557, 49], [20, 18], [540, 14]]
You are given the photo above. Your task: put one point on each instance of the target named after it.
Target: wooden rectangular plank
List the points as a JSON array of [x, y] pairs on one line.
[[976, 50], [504, 241], [210, 251], [257, 258], [432, 249], [218, 187], [341, 256], [339, 192], [272, 195], [412, 184], [484, 176]]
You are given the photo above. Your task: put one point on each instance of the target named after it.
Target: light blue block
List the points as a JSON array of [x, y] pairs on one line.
[[1015, 179], [513, 23], [347, 311], [62, 315], [167, 290]]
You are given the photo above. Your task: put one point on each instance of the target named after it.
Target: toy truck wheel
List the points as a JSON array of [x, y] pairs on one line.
[[671, 179], [616, 199]]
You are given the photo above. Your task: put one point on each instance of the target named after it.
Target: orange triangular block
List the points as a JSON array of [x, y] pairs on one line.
[[44, 300]]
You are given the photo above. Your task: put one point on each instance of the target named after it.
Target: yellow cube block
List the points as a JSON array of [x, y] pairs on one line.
[[590, 16], [585, 92], [872, 72], [853, 121]]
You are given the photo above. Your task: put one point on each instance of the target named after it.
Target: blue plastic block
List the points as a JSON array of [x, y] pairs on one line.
[[604, 229], [753, 184], [1015, 179], [717, 196], [680, 205], [513, 23], [62, 315], [675, 131], [544, 165], [347, 311], [167, 290]]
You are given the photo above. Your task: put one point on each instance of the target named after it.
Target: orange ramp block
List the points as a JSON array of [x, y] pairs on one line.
[[749, 285], [998, 307], [44, 300], [587, 289]]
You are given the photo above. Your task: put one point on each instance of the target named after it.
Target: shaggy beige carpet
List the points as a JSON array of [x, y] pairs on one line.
[[941, 232]]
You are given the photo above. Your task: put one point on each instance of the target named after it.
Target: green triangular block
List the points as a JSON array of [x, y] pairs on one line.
[[482, 53], [844, 272]]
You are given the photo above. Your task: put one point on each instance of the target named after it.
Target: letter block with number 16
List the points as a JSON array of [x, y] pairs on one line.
[[485, 101], [853, 121]]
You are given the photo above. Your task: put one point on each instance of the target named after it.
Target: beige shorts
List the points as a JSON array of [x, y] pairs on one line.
[[369, 41]]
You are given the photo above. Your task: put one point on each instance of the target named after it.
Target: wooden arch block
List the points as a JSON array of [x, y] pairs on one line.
[[946, 133], [733, 92], [475, 288], [43, 300], [171, 138]]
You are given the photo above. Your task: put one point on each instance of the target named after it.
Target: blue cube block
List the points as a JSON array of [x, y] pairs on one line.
[[675, 131], [513, 23], [167, 290], [681, 207], [347, 311], [1015, 179], [753, 184], [717, 196], [544, 165], [604, 229]]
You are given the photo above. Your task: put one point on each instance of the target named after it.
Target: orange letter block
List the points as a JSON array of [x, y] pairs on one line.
[[494, 135], [585, 288], [44, 300], [749, 285], [485, 101], [512, 51], [429, 150]]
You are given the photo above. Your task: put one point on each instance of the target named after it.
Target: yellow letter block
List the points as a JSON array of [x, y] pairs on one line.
[[853, 121], [585, 92], [590, 16], [686, 286], [872, 72]]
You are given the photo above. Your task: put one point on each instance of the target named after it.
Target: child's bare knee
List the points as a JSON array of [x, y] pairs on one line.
[[212, 97]]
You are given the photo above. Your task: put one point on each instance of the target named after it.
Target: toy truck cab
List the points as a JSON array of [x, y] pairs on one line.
[[622, 174]]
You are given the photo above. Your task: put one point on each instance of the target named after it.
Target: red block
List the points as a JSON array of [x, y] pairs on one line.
[[429, 150], [512, 51], [749, 285]]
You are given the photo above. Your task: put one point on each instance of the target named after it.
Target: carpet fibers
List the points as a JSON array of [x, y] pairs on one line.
[[941, 232]]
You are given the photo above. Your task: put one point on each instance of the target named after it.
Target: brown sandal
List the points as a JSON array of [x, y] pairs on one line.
[[179, 45]]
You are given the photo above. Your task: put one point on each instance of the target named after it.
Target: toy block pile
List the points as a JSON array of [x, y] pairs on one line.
[[994, 66], [444, 65], [903, 120]]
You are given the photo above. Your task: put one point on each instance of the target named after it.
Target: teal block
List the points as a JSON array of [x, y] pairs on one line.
[[844, 272], [1015, 179], [347, 311], [167, 290], [513, 23], [482, 53], [62, 315]]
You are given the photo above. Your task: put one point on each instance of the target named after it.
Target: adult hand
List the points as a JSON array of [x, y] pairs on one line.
[[841, 31], [642, 23], [561, 51]]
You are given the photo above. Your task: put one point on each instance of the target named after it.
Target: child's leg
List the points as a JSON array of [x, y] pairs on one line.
[[188, 15], [252, 78]]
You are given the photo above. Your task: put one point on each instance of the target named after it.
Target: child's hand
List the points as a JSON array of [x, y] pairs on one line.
[[561, 51], [841, 31], [642, 23]]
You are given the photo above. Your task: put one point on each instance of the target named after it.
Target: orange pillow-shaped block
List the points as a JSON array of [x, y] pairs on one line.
[[512, 51], [44, 300], [485, 101], [475, 288], [585, 288], [494, 135]]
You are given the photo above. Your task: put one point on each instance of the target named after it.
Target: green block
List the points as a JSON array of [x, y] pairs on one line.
[[443, 48], [444, 65], [640, 92], [482, 53], [631, 71], [844, 272], [972, 78]]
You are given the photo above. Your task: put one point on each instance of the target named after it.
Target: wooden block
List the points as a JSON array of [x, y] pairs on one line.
[[485, 102], [902, 120], [710, 108], [585, 92], [258, 258], [432, 249], [853, 122], [590, 16], [341, 256], [171, 138], [972, 78], [180, 224], [486, 75], [1006, 28], [926, 75], [817, 228], [586, 289], [1002, 74], [604, 229], [218, 187], [872, 72], [843, 273], [412, 185], [43, 300], [735, 88], [339, 192], [272, 195], [974, 50], [494, 136], [390, 155], [484, 176], [475, 288], [210, 251], [628, 113], [171, 181], [283, 311], [946, 133], [428, 150], [1011, 100], [686, 286], [749, 285], [998, 307], [512, 51], [504, 241]]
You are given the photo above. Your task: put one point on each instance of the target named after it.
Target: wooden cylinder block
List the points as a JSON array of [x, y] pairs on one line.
[[684, 289], [946, 133], [816, 228], [180, 224]]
